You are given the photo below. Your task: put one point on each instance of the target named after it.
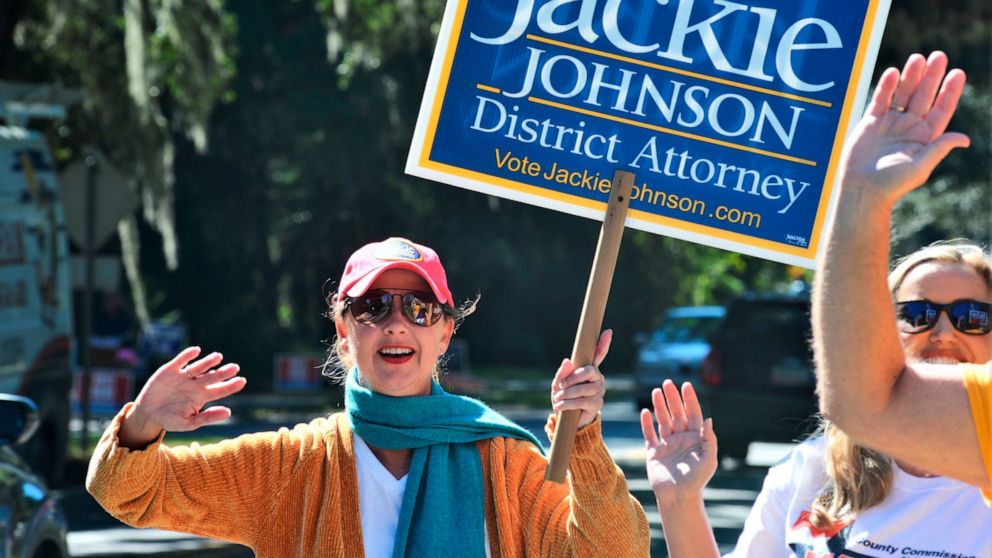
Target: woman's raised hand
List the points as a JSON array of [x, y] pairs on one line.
[[584, 388], [901, 138], [681, 452], [174, 397]]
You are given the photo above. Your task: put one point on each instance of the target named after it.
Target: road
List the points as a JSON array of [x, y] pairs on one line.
[[729, 497]]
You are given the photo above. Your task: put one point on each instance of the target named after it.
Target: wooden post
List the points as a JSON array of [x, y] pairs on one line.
[[591, 319]]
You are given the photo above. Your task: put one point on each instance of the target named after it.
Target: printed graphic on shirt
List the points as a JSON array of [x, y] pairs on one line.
[[843, 541]]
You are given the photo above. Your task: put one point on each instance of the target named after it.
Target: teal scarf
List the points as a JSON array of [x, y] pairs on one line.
[[443, 505]]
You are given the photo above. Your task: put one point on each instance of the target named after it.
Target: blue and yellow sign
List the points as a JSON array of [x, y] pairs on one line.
[[730, 114]]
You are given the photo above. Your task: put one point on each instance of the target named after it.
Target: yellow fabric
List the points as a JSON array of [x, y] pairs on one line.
[[978, 382], [295, 493]]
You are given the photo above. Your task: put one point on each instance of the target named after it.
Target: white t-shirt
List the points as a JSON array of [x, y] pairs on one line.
[[380, 497], [920, 517]]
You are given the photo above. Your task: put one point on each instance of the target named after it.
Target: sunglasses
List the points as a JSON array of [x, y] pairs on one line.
[[970, 317], [375, 305]]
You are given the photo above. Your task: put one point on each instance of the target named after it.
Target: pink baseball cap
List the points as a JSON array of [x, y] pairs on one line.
[[372, 260]]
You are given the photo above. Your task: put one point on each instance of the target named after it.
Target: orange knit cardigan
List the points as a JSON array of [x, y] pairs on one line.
[[295, 493]]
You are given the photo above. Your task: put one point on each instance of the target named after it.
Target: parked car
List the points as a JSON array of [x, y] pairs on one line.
[[757, 381], [675, 350], [31, 523]]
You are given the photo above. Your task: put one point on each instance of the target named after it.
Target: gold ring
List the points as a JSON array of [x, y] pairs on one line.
[[899, 108]]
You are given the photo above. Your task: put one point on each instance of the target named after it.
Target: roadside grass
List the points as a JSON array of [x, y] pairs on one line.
[[523, 386], [511, 386], [501, 386], [504, 385], [78, 456], [528, 399], [78, 452], [507, 372]]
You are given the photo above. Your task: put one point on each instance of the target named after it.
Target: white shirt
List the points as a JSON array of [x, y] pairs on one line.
[[920, 517], [380, 496]]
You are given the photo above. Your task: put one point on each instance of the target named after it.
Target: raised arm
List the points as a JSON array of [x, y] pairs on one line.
[[220, 490], [914, 413], [681, 459], [593, 514], [174, 397]]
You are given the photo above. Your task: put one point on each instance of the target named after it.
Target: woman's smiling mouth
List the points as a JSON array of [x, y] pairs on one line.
[[394, 354]]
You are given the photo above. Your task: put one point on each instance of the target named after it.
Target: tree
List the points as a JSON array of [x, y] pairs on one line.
[[308, 140], [958, 200], [151, 69]]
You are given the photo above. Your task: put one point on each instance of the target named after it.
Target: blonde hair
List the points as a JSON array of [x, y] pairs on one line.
[[958, 252], [339, 361], [860, 478]]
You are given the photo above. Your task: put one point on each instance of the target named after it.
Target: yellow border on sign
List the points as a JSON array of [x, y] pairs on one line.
[[808, 252], [442, 82], [828, 179]]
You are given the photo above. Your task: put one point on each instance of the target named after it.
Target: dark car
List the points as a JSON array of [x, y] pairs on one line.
[[675, 350], [31, 523], [757, 381]]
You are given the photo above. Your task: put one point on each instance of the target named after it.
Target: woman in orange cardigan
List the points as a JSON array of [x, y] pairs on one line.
[[407, 470]]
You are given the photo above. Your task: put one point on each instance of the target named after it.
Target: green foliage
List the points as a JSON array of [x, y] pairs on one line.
[[958, 200], [150, 68], [311, 104], [361, 34], [957, 203]]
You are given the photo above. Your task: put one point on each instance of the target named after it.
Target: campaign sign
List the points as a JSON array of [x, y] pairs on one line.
[[730, 114], [295, 372], [110, 389]]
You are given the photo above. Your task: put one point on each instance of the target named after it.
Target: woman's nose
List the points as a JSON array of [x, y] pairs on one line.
[[942, 331], [395, 322]]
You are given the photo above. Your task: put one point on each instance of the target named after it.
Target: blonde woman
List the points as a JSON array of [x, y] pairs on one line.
[[832, 497], [406, 471]]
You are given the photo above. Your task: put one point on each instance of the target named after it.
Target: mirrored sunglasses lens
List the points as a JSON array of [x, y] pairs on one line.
[[917, 316], [971, 317], [420, 311], [371, 307]]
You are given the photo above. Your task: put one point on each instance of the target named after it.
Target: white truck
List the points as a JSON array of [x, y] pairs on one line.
[[36, 327]]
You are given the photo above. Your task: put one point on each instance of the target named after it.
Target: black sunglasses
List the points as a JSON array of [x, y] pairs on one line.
[[375, 305], [970, 317]]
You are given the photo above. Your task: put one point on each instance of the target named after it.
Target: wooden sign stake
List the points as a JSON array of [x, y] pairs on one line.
[[591, 319]]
